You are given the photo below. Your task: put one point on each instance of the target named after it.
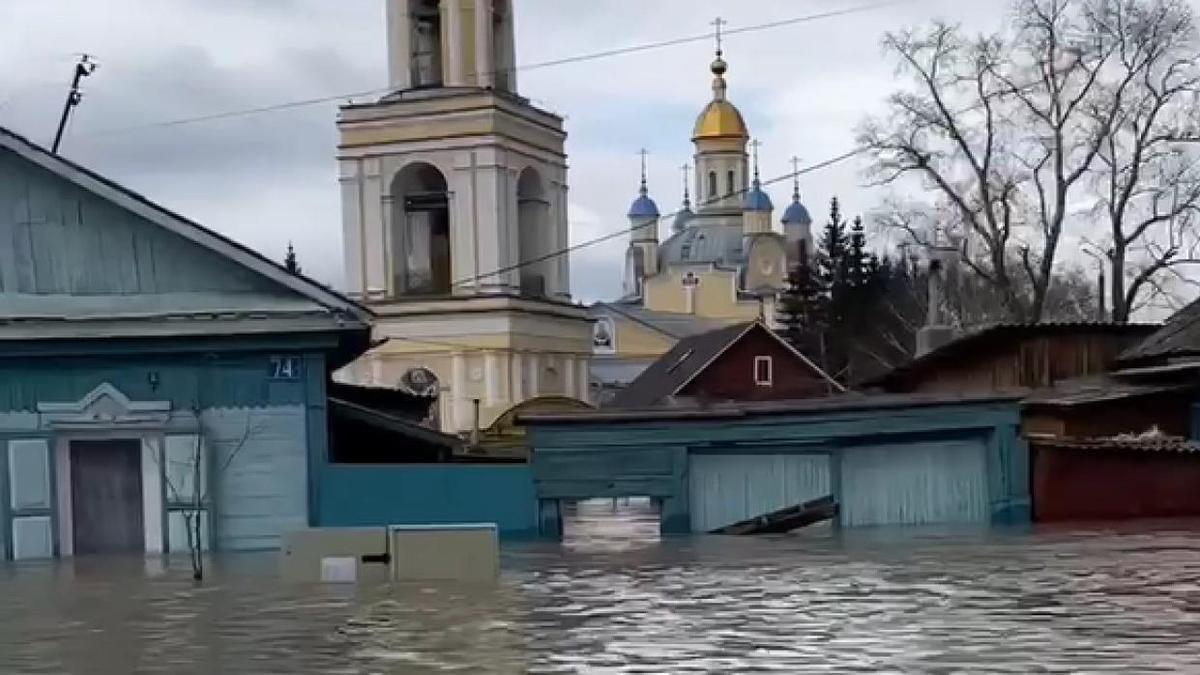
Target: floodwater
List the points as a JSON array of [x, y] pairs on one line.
[[613, 598]]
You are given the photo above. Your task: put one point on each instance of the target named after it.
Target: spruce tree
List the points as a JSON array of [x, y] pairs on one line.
[[289, 261], [801, 306]]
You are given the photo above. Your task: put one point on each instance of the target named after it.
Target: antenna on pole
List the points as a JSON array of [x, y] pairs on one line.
[[85, 67]]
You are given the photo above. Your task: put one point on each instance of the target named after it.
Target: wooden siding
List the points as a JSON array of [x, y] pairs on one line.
[[188, 381], [59, 239], [725, 489], [918, 483], [261, 487], [1022, 362], [731, 376], [1071, 484]]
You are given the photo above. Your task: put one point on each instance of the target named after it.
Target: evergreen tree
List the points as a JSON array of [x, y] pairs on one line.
[[801, 307], [289, 261]]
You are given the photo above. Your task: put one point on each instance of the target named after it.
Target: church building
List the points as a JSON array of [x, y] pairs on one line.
[[454, 203], [723, 263]]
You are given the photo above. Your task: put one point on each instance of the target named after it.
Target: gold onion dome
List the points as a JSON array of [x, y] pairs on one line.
[[720, 118]]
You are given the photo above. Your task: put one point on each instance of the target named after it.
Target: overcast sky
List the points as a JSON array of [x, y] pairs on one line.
[[269, 178]]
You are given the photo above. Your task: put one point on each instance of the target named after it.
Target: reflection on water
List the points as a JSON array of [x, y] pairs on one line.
[[613, 598]]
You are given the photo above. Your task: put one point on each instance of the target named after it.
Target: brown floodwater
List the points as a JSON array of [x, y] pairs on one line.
[[614, 598]]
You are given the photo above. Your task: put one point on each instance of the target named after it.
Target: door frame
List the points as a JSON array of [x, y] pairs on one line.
[[153, 496]]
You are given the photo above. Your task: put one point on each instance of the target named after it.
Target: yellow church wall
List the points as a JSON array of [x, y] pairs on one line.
[[715, 295], [634, 339]]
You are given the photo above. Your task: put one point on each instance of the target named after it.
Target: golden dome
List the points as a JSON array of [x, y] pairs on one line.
[[720, 119]]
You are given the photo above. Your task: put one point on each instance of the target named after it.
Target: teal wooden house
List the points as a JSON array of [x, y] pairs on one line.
[[145, 362], [884, 460]]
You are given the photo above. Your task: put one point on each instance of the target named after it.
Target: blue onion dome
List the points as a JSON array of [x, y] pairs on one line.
[[643, 207], [757, 199], [796, 213], [682, 218]]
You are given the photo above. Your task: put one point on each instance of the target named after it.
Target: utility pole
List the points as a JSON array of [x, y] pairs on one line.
[[85, 67]]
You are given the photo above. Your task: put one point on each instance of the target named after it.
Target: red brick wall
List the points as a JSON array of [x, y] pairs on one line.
[[1095, 485], [731, 376]]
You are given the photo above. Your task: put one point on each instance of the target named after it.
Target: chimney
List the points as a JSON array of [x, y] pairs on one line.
[[937, 331]]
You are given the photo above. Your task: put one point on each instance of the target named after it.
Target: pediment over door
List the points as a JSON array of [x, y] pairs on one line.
[[105, 407]]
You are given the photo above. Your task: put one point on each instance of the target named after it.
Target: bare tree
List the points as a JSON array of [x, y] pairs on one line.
[[1147, 182], [1009, 132], [194, 493]]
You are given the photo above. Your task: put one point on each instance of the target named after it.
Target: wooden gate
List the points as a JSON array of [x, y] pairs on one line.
[[725, 489]]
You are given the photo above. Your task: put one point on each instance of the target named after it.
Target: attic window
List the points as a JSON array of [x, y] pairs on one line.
[[685, 357], [762, 371]]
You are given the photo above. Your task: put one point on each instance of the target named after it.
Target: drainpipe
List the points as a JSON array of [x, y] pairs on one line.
[[475, 423]]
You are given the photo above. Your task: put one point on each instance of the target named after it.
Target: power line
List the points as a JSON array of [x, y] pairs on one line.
[[608, 53], [654, 223]]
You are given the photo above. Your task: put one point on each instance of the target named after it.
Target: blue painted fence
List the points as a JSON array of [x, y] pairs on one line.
[[354, 495]]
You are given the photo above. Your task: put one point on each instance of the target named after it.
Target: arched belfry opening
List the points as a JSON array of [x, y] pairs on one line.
[[533, 230], [420, 232], [425, 41]]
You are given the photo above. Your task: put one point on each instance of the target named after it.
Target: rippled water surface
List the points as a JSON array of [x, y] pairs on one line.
[[613, 598]]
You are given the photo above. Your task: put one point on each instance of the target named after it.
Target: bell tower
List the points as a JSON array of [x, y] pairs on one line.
[[454, 219]]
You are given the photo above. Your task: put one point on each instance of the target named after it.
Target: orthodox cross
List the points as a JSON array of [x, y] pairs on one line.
[[686, 167], [718, 22], [796, 173], [643, 152], [690, 282], [754, 144]]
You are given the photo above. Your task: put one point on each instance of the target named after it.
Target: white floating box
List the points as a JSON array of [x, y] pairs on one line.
[[467, 552], [336, 555]]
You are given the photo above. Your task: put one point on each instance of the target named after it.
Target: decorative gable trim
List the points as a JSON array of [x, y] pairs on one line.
[[190, 230], [105, 407]]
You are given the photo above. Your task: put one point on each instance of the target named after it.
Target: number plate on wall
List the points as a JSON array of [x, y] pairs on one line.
[[285, 368]]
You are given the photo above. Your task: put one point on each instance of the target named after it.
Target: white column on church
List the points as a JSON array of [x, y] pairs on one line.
[[491, 374], [584, 377], [373, 232], [399, 31], [484, 50], [535, 376], [352, 227], [517, 375], [461, 403], [568, 369], [564, 236], [453, 48]]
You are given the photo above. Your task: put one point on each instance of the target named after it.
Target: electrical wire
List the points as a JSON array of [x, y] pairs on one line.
[[276, 107], [654, 223]]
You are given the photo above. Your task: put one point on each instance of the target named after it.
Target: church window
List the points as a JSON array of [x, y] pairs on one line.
[[420, 232], [729, 183], [712, 184], [426, 41], [762, 371]]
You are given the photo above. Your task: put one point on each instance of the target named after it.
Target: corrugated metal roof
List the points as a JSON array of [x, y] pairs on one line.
[[975, 337], [836, 403], [1179, 336], [672, 324], [1150, 444], [1099, 389]]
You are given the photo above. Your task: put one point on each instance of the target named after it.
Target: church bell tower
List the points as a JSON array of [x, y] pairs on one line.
[[454, 217]]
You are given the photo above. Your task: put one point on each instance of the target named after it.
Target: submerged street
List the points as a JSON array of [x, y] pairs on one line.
[[614, 598]]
